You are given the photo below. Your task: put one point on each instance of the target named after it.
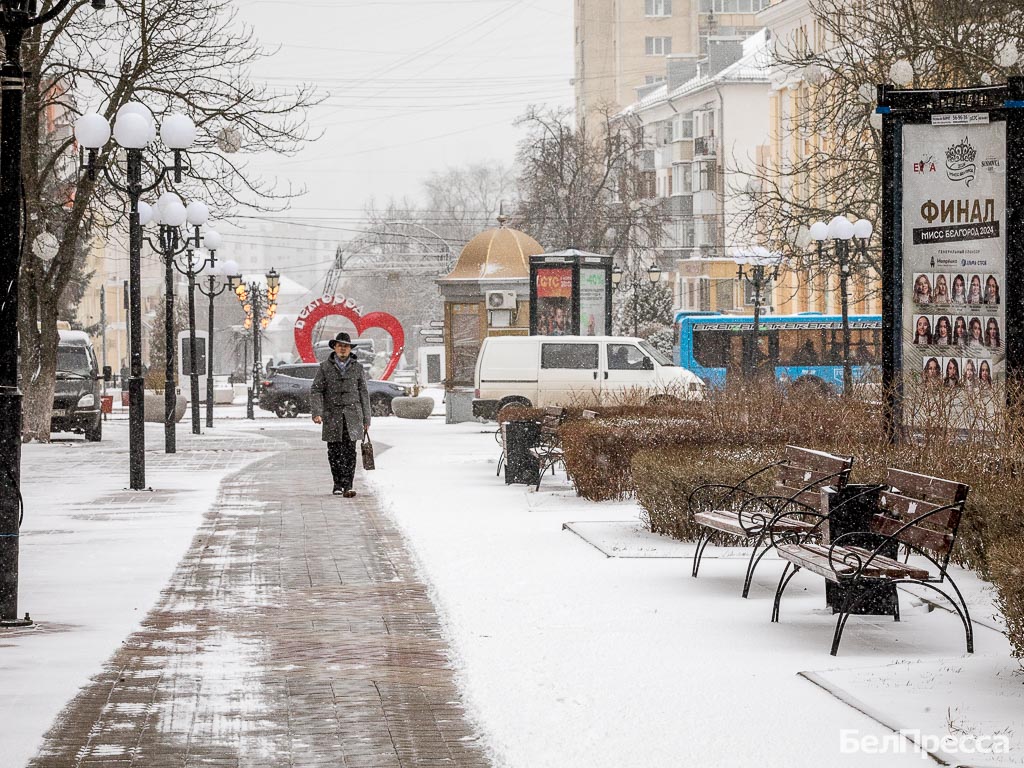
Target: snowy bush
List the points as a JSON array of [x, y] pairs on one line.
[[664, 478], [1007, 569]]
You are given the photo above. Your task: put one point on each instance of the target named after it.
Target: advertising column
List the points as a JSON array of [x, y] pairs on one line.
[[593, 298], [954, 252], [554, 301]]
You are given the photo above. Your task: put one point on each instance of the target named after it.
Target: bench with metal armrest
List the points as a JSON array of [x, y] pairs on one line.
[[792, 504], [916, 512]]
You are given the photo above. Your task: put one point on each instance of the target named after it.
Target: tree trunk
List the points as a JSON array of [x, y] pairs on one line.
[[39, 338]]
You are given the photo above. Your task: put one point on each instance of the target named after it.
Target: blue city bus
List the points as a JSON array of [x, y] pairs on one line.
[[803, 349]]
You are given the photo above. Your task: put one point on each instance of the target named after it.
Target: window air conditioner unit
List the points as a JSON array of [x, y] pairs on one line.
[[501, 300]]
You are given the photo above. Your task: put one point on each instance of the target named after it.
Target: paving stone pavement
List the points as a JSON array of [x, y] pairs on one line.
[[294, 633]]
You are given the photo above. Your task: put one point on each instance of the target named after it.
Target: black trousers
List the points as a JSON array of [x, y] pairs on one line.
[[342, 457]]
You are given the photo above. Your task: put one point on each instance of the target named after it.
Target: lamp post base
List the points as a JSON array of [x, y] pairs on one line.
[[15, 623]]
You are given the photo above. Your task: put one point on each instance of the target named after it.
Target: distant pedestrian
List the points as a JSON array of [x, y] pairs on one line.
[[340, 402]]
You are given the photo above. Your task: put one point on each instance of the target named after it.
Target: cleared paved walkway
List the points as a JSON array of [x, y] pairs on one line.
[[294, 633]]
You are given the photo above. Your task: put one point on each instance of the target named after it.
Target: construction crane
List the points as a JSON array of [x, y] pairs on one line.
[[374, 255]]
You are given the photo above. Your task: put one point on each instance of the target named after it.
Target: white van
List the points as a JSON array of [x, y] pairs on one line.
[[573, 370]]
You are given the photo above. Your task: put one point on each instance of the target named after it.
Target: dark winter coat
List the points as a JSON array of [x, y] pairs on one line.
[[340, 400]]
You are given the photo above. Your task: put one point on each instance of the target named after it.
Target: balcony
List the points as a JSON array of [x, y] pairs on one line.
[[706, 203], [682, 151], [705, 146]]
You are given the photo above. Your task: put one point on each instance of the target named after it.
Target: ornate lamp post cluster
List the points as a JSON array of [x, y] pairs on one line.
[[212, 291], [259, 302], [134, 130], [841, 231], [17, 17], [759, 268], [632, 281], [175, 219]]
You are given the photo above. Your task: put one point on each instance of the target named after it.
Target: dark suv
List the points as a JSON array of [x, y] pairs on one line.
[[76, 396], [286, 391]]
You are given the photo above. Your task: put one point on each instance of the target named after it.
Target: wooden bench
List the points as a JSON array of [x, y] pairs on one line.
[[792, 506], [549, 451], [916, 512]]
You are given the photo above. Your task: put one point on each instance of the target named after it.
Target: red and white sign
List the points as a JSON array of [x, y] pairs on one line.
[[327, 306]]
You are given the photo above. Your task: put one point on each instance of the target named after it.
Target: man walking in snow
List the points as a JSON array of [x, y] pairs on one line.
[[340, 402]]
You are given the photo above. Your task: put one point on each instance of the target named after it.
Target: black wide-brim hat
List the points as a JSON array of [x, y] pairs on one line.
[[341, 338]]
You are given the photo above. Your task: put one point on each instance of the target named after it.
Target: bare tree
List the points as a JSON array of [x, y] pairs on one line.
[[461, 202], [175, 55], [407, 244], [837, 165], [583, 187]]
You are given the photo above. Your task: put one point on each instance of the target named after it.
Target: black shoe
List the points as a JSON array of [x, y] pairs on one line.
[[338, 490], [349, 493]]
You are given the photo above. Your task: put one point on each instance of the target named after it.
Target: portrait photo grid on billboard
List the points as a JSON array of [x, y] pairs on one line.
[[954, 254]]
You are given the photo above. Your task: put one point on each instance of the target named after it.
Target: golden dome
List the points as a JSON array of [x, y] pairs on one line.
[[496, 254]]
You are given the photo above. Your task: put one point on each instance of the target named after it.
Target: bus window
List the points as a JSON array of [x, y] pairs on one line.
[[864, 347], [710, 348], [800, 348]]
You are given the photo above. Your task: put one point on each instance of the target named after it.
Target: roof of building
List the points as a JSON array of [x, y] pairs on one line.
[[752, 67], [496, 254]]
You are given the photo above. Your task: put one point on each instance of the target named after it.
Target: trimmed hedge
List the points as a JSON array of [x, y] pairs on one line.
[[1006, 564], [665, 477]]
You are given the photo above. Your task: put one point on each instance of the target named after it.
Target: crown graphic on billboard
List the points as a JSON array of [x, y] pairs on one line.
[[961, 153]]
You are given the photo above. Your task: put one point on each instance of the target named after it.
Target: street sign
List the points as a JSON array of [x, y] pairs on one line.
[[437, 323], [433, 339], [429, 331]]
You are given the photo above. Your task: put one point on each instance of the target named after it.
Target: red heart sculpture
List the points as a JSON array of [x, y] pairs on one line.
[[339, 305]]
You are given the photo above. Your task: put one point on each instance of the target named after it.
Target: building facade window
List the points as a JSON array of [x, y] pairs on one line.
[[657, 46], [658, 7], [682, 174], [653, 79], [682, 126]]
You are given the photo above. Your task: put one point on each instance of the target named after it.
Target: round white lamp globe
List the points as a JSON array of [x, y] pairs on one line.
[[135, 108], [198, 213], [212, 239], [92, 131], [840, 228], [862, 229], [1008, 55], [901, 72], [819, 231], [166, 199], [46, 246], [132, 131], [145, 213], [173, 214], [178, 132], [230, 268]]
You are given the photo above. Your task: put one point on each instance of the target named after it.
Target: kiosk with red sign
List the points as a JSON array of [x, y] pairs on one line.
[[570, 294]]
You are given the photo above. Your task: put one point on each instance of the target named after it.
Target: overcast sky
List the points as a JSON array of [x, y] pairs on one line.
[[412, 86]]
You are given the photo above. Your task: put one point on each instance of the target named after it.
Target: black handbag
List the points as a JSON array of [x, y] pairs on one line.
[[367, 450]]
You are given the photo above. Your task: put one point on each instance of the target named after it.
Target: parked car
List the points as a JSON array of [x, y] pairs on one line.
[[286, 391], [76, 396], [567, 370], [365, 350]]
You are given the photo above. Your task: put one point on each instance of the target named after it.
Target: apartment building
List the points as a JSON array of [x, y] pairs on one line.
[[621, 45], [791, 24], [705, 127]]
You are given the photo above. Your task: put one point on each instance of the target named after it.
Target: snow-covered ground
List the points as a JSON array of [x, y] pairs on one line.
[[581, 646], [569, 657], [95, 556]]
